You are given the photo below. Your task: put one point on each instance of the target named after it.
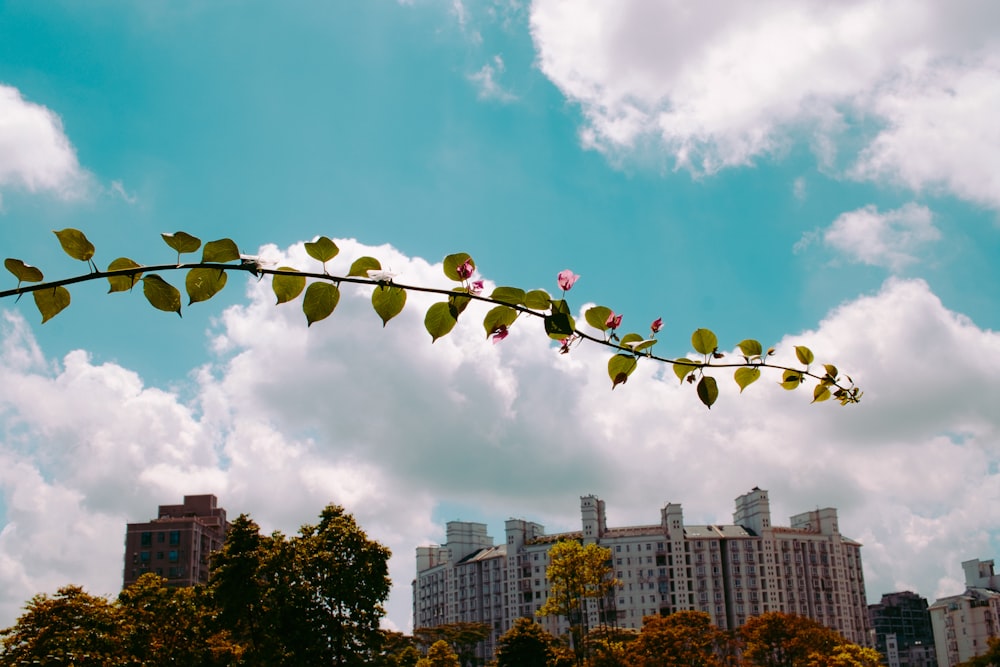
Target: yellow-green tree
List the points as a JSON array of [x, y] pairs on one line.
[[989, 659], [683, 639], [776, 639], [847, 655], [440, 655], [576, 573]]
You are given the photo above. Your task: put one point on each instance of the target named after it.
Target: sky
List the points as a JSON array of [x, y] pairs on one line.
[[799, 173]]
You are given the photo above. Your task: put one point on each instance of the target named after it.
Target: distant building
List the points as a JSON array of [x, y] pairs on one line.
[[178, 543], [731, 572], [964, 624], [903, 633]]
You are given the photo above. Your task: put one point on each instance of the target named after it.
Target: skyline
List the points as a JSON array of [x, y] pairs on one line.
[[793, 173]]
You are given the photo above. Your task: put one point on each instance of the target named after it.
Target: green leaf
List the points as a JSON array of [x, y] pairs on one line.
[[23, 272], [320, 300], [509, 295], [620, 366], [50, 302], [203, 284], [597, 317], [499, 315], [630, 338], [537, 299], [440, 320], [362, 265], [322, 249], [182, 242], [704, 341], [122, 283], [223, 250], [286, 287], [821, 393], [388, 301], [804, 354], [75, 244], [637, 343], [452, 262], [161, 294], [751, 348], [458, 303], [683, 370], [559, 325], [791, 380], [708, 390], [746, 376], [831, 370]]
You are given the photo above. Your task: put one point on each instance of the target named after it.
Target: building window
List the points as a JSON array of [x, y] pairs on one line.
[[146, 539], [161, 536], [175, 537], [174, 556]]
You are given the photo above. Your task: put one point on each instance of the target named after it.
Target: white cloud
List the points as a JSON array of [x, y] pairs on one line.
[[35, 153], [888, 239], [718, 84], [486, 81], [290, 418]]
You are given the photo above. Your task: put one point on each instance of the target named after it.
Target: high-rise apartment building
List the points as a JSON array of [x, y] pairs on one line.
[[903, 632], [178, 543], [729, 571], [964, 624]]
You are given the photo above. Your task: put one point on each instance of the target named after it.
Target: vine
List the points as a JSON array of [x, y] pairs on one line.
[[208, 277]]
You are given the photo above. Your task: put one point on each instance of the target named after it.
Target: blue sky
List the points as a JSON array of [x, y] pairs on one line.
[[792, 173]]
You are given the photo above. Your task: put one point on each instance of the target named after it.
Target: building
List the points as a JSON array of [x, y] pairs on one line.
[[963, 624], [903, 632], [729, 571], [178, 543]]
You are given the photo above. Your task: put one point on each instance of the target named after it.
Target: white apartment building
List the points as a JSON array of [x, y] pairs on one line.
[[729, 571], [963, 624]]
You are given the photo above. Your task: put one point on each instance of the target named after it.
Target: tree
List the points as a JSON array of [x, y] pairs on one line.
[[165, 625], [682, 639], [71, 627], [313, 599], [439, 655], [526, 644], [776, 639], [847, 655], [576, 574], [462, 636], [207, 278]]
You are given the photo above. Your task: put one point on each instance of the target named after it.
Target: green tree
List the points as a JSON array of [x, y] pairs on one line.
[[682, 639], [526, 644], [776, 639], [463, 636], [847, 655], [315, 598], [439, 655], [576, 574], [71, 627]]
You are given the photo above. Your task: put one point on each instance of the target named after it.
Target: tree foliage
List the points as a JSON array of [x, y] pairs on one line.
[[989, 659], [526, 644], [682, 639], [462, 636], [315, 598], [440, 654], [775, 639], [206, 278]]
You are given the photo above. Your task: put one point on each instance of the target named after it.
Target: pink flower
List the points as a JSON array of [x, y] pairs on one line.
[[565, 343], [500, 333], [566, 279], [656, 325], [613, 321], [476, 288], [465, 270]]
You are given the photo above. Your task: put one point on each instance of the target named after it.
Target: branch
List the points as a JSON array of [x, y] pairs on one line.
[[208, 277]]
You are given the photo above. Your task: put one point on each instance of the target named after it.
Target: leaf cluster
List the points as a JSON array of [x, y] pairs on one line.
[[320, 295]]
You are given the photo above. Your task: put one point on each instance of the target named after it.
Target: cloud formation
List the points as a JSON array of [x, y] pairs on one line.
[[889, 239], [287, 418], [720, 84], [35, 153]]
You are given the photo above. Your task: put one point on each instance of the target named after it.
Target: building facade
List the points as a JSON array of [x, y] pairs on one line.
[[964, 624], [729, 571], [903, 633], [178, 543]]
